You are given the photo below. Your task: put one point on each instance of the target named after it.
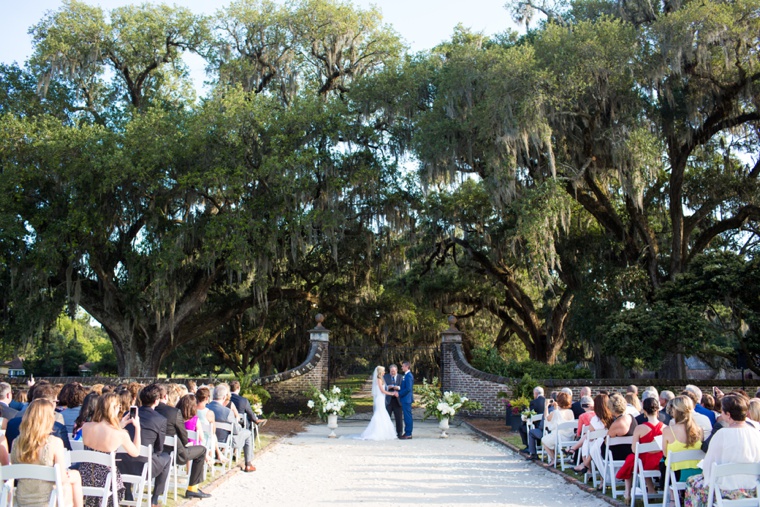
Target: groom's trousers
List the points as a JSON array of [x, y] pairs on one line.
[[408, 421], [394, 410]]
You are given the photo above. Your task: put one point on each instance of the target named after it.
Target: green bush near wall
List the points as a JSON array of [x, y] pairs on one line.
[[489, 361]]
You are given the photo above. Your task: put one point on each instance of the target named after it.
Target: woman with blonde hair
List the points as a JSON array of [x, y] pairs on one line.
[[106, 434], [36, 446], [754, 412], [380, 426], [683, 434]]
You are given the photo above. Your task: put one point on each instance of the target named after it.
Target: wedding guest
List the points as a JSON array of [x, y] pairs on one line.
[[561, 414], [6, 396], [241, 437], [70, 399], [699, 408], [42, 391], [736, 443], [87, 410], [106, 433], [35, 445], [577, 406], [643, 434], [191, 386], [623, 425], [633, 404], [665, 397], [753, 416], [194, 454], [587, 404], [602, 420], [682, 435], [537, 405], [702, 420]]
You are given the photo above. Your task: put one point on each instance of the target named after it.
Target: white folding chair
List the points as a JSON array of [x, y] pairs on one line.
[[592, 437], [729, 469], [173, 468], [77, 445], [564, 444], [11, 473], [144, 480], [672, 485], [531, 424], [109, 487], [256, 428], [579, 453], [611, 466], [226, 446], [638, 481], [195, 437]]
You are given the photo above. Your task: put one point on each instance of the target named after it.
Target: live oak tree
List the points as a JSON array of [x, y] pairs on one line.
[[164, 218]]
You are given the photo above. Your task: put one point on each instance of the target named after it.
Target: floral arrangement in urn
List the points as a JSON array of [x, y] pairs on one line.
[[331, 401], [443, 405]]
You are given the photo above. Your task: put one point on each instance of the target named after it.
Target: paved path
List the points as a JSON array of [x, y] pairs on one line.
[[463, 470]]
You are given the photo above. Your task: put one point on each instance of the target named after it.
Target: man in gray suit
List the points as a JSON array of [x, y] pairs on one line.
[[241, 437], [393, 380]]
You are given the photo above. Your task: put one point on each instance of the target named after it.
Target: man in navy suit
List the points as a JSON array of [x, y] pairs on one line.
[[406, 397], [392, 403]]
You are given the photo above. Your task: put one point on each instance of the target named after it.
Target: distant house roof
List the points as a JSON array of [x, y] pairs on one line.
[[85, 367], [15, 364]]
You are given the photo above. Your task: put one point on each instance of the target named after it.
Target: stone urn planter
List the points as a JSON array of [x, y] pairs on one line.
[[332, 423]]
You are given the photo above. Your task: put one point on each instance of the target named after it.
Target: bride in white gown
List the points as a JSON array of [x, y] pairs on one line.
[[380, 426]]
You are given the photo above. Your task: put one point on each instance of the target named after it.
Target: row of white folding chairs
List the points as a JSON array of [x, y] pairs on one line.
[[54, 474]]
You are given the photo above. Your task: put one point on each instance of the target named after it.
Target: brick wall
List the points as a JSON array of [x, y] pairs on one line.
[[290, 385]]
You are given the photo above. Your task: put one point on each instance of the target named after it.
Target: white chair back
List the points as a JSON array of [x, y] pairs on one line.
[[671, 485], [77, 445], [110, 487], [640, 475], [611, 465], [11, 473], [733, 469], [567, 429]]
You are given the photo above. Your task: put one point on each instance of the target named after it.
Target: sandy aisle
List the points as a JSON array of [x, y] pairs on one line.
[[464, 470]]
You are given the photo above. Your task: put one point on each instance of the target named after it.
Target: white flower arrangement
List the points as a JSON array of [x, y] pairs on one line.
[[527, 414], [333, 401], [443, 405]]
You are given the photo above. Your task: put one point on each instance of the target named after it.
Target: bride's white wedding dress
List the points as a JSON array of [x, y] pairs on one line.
[[380, 426]]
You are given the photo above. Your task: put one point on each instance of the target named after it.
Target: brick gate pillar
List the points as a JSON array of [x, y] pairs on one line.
[[321, 336], [449, 339]]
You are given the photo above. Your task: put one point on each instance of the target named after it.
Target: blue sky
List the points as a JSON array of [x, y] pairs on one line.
[[422, 23]]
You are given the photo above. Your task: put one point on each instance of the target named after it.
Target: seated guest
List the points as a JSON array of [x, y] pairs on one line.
[[6, 397], [623, 425], [125, 400], [602, 419], [243, 405], [587, 404], [708, 401], [643, 434], [86, 411], [665, 397], [70, 400], [41, 391], [753, 416], [20, 399], [207, 422], [241, 437], [634, 405], [192, 386], [736, 443], [577, 407], [196, 454], [643, 417], [552, 420], [699, 408], [188, 406], [537, 405], [702, 420], [106, 434], [36, 446], [48, 391], [152, 432], [682, 435]]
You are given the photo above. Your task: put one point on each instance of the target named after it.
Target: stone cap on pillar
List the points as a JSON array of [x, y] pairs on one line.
[[319, 333], [452, 334]]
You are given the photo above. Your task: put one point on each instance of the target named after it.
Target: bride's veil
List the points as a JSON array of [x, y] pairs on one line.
[[375, 388]]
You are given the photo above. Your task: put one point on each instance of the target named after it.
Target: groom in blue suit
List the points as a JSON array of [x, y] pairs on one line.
[[406, 397]]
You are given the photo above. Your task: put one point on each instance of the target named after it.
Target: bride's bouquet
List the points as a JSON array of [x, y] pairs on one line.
[[332, 401], [442, 405]]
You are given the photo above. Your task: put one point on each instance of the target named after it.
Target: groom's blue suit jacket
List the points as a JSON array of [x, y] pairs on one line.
[[406, 394]]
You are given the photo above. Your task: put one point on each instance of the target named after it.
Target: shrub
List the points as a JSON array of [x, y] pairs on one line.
[[489, 361]]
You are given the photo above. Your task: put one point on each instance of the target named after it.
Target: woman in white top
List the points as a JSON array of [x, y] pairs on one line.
[[736, 443], [552, 420]]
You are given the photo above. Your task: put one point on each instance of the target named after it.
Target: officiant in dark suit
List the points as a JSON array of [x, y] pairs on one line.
[[392, 381]]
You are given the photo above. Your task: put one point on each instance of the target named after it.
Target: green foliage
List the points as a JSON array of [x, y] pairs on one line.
[[489, 361]]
